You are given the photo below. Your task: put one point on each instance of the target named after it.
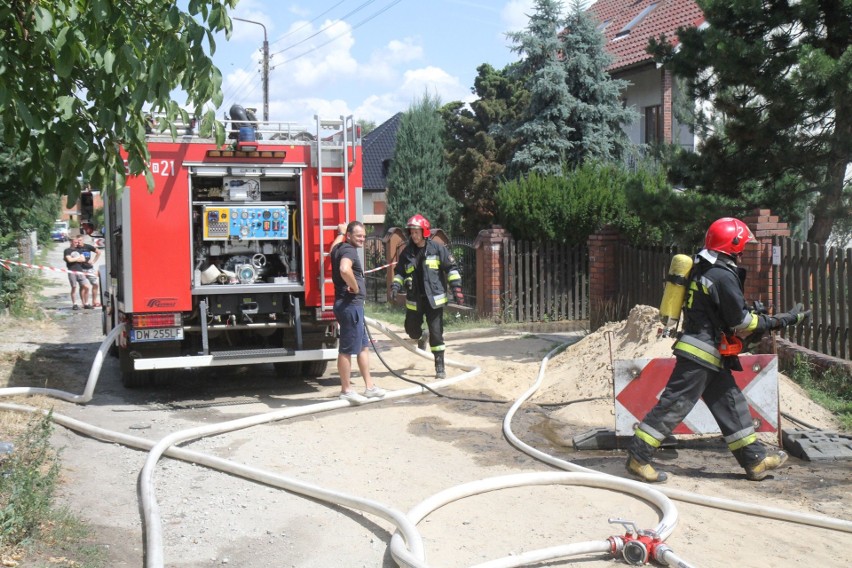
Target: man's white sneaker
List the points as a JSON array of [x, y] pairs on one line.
[[353, 397], [375, 392]]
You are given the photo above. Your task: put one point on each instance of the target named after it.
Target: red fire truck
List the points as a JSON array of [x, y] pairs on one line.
[[226, 261]]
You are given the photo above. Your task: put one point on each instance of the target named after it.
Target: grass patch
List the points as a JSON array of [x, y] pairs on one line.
[[30, 526], [453, 320], [830, 388], [27, 484]]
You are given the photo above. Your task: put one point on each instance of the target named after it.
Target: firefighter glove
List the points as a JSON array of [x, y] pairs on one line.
[[797, 315], [459, 295], [394, 291], [409, 284], [758, 308]]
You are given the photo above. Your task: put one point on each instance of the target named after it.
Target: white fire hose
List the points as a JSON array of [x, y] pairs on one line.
[[406, 546]]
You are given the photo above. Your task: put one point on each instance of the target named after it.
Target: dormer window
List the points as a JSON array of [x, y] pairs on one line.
[[635, 21]]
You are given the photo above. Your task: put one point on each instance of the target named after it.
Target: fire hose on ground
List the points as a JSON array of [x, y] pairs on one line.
[[406, 545]]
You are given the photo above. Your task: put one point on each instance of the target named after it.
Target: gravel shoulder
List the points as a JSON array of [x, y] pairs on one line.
[[399, 452]]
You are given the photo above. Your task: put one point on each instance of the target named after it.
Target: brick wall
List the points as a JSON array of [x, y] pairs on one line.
[[757, 258], [666, 95], [489, 246], [603, 275]]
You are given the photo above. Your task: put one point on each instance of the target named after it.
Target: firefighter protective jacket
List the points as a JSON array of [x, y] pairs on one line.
[[422, 271], [715, 305]]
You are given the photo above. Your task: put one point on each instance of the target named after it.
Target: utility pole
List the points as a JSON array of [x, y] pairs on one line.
[[265, 68]]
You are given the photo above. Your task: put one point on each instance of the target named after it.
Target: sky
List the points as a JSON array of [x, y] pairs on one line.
[[366, 58]]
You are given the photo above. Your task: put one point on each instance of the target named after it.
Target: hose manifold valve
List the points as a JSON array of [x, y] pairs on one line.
[[636, 546]]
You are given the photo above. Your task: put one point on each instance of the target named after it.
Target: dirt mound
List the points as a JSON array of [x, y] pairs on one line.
[[583, 372]]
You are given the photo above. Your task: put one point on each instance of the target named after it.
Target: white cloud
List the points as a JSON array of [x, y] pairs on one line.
[[515, 14], [299, 11], [248, 32], [313, 57], [383, 63], [417, 82]]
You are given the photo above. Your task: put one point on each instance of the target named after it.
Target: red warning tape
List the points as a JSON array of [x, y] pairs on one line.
[[379, 268], [3, 261]]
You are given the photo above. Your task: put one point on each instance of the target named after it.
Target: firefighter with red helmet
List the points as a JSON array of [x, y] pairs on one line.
[[715, 318], [423, 267]]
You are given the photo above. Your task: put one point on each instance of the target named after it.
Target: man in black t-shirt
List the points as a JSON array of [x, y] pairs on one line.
[[81, 258], [350, 290]]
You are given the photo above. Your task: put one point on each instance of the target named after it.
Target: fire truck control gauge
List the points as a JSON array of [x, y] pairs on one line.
[[246, 222]]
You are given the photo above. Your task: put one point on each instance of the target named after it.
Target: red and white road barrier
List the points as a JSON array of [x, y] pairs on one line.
[[3, 262]]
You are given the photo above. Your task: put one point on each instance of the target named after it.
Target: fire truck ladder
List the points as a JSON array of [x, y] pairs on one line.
[[332, 160]]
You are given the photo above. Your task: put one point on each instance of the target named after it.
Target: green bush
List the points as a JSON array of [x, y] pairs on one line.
[[830, 388], [27, 483], [565, 208], [18, 287]]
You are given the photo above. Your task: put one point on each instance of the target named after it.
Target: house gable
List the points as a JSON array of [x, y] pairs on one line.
[[377, 151]]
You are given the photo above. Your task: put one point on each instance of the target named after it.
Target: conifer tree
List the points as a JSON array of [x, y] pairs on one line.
[[778, 76], [477, 147], [417, 177], [574, 110]]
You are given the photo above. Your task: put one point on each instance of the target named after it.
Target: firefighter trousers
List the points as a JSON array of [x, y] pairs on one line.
[[434, 321], [689, 382]]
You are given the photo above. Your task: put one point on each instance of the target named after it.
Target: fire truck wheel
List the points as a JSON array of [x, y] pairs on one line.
[[288, 369], [136, 379], [315, 368]]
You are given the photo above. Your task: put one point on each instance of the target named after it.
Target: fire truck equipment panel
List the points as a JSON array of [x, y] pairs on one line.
[[246, 223]]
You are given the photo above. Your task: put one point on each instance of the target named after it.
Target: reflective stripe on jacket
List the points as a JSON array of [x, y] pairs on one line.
[[422, 271], [714, 305]]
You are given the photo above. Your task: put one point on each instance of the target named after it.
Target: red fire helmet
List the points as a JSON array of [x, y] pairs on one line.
[[420, 222], [728, 235]]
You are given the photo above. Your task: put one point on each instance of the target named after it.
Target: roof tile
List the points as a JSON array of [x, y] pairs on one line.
[[666, 17]]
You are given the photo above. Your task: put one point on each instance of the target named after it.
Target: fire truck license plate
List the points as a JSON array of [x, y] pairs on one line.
[[157, 334]]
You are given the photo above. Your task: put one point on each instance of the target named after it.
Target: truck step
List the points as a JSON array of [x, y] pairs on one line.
[[239, 354]]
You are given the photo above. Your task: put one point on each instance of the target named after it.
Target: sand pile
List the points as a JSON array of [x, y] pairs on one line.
[[584, 371]]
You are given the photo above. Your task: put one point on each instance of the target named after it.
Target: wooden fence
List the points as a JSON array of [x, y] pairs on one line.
[[545, 282], [820, 278], [642, 276]]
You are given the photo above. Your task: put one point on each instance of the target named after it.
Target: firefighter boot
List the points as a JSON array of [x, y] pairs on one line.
[[424, 339], [440, 373], [759, 470], [645, 472]]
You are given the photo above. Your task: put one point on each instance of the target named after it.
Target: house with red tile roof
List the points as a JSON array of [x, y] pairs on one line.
[[627, 26]]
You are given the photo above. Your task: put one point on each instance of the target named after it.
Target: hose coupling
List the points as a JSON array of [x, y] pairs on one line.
[[638, 545], [616, 545]]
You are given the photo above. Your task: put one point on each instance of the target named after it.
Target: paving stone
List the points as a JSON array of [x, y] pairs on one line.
[[817, 445]]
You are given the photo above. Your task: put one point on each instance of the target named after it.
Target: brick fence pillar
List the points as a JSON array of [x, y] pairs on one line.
[[666, 88], [757, 259], [489, 246], [603, 276]]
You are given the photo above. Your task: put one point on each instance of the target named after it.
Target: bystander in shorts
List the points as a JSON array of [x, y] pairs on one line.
[[353, 334], [87, 279]]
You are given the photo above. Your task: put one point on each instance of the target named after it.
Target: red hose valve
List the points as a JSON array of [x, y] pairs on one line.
[[638, 546]]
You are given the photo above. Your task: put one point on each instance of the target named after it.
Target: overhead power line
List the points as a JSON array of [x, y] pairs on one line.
[[331, 25], [354, 27], [306, 24]]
